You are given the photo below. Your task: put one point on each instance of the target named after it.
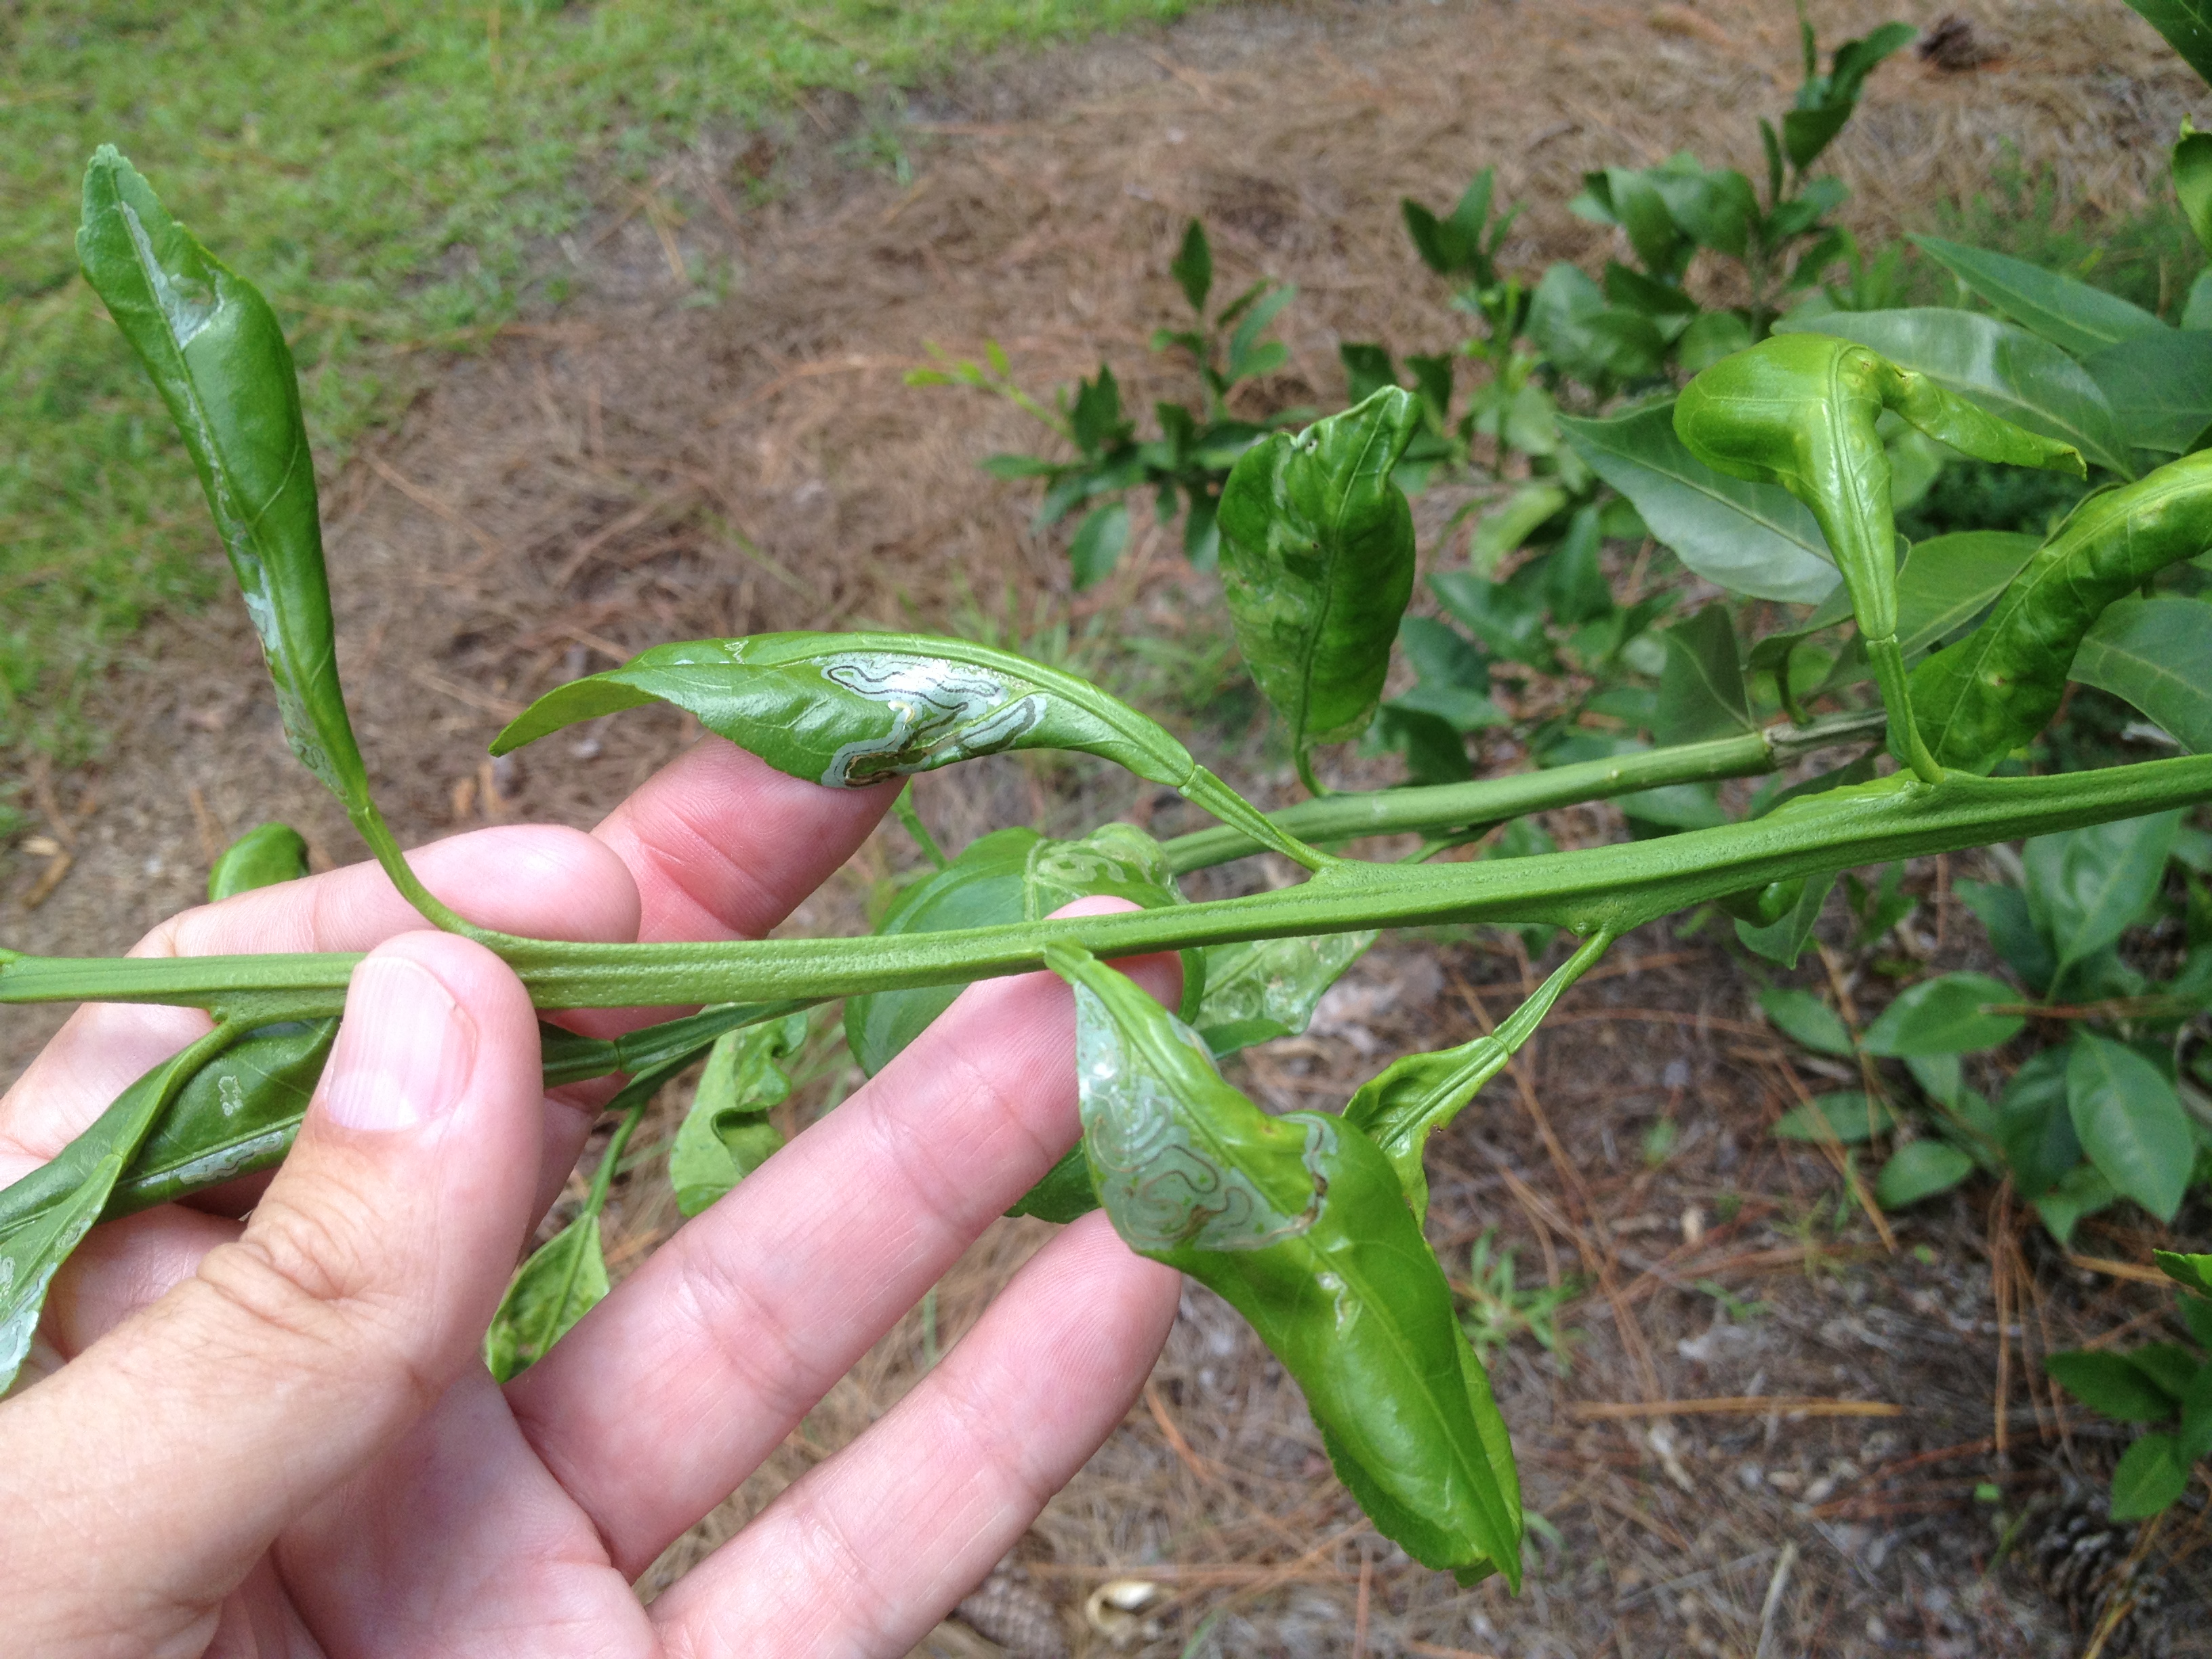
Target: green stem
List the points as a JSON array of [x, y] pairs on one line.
[[1614, 887], [568, 1058], [1252, 829], [1888, 664], [617, 1144], [910, 818], [1455, 805], [385, 848]]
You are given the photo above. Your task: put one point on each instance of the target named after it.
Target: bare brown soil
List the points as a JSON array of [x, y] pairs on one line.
[[712, 440]]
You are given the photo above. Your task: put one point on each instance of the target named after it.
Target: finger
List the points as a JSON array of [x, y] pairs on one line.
[[536, 880], [167, 1456], [869, 1550], [125, 1266], [723, 846], [669, 1393]]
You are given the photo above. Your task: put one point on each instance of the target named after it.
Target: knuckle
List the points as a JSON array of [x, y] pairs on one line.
[[303, 1283], [756, 1346]]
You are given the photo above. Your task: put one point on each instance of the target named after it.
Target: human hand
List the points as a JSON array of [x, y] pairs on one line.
[[278, 1436]]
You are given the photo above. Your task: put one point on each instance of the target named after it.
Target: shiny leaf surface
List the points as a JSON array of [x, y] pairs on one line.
[[1267, 989], [2070, 314], [2157, 655], [1752, 539], [848, 710], [217, 355], [235, 1115], [264, 855]]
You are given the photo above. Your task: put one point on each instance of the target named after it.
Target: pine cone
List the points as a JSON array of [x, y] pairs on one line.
[[2080, 1557], [1009, 1612]]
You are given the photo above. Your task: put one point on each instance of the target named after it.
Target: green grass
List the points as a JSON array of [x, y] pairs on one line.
[[387, 173]]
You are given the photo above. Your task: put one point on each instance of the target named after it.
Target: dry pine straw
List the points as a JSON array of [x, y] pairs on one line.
[[644, 466]]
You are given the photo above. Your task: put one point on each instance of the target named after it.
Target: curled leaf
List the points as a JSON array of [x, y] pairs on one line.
[[1419, 1094], [726, 1134], [1300, 1223], [849, 710], [44, 1216], [1317, 563], [1800, 410], [1989, 693]]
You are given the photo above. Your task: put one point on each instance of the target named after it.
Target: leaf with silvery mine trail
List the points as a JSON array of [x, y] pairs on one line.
[[564, 1279], [45, 1215], [2070, 313], [1751, 538], [236, 1115], [263, 856], [2155, 653], [217, 355], [848, 710], [1317, 564], [726, 1134], [1262, 989], [2131, 1123], [1299, 1222]]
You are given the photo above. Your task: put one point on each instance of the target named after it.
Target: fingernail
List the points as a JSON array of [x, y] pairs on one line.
[[404, 1051]]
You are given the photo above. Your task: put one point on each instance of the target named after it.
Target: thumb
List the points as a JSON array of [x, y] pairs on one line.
[[150, 1472]]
